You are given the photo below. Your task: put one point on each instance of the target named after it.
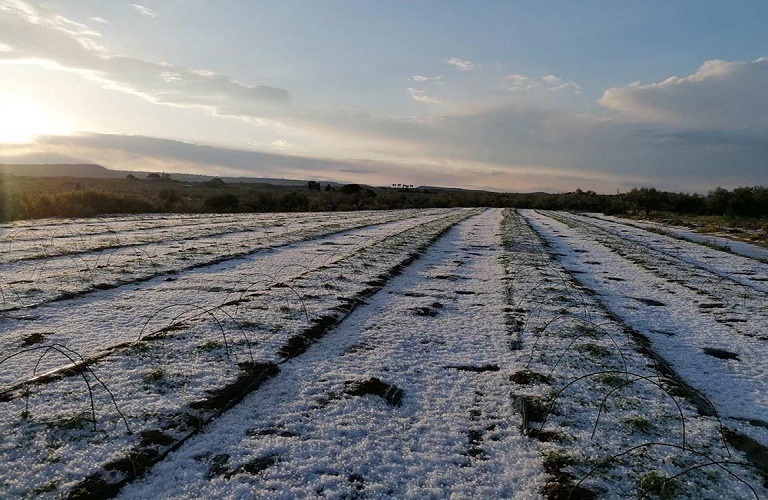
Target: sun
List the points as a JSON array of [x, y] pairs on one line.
[[22, 119]]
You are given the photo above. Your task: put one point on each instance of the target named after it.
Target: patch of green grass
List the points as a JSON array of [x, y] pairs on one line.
[[593, 350], [586, 330], [716, 246], [638, 424], [155, 376], [556, 461], [76, 422], [656, 485], [527, 377], [46, 487], [611, 379], [210, 345]]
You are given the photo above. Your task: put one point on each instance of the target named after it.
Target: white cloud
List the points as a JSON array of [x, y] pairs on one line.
[[422, 96], [144, 11], [720, 95], [99, 20], [635, 142], [461, 64], [519, 83], [425, 79], [32, 33], [170, 76]]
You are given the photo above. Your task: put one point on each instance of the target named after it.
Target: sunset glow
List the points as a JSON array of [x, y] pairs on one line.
[[22, 120], [509, 96]]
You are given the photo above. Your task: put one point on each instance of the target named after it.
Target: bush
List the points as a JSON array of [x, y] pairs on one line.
[[225, 202]]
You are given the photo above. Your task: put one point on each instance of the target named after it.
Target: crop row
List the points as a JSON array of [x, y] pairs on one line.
[[612, 417], [176, 353], [57, 274]]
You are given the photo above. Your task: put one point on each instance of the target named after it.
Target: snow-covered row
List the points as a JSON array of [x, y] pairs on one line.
[[49, 238], [718, 346], [731, 291], [719, 264], [408, 398], [614, 421], [502, 363], [730, 245], [28, 283], [199, 332], [246, 285]]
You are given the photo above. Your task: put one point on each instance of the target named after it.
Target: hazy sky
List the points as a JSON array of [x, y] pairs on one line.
[[506, 95]]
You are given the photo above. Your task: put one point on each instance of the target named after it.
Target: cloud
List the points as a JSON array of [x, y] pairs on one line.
[[281, 145], [422, 96], [551, 82], [720, 95], [32, 34], [99, 20], [461, 64], [155, 154], [521, 83], [144, 11], [683, 133], [424, 79]]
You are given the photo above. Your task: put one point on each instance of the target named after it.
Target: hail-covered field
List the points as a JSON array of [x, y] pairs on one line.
[[415, 353]]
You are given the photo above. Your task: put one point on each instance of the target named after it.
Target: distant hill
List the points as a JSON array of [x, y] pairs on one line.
[[99, 172], [60, 170]]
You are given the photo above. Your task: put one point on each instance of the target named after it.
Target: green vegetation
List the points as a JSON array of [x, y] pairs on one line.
[[155, 376], [638, 424], [595, 350], [611, 379], [36, 197], [657, 485]]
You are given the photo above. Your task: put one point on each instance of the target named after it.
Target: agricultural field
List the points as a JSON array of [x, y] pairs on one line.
[[488, 353]]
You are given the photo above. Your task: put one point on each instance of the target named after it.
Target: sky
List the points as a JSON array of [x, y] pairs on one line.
[[510, 95]]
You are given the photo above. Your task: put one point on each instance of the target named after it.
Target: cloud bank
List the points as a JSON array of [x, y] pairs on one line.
[[32, 34], [720, 96], [154, 154]]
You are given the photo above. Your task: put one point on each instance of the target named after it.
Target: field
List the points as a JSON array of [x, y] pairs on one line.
[[489, 353]]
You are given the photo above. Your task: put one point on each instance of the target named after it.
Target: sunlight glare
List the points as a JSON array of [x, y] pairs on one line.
[[21, 120]]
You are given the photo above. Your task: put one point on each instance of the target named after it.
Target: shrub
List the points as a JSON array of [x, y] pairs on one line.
[[225, 202]]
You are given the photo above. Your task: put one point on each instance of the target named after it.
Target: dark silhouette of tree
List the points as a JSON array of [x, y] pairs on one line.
[[225, 202], [350, 188]]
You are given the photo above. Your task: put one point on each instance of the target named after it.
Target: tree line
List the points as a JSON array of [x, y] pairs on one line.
[[28, 198]]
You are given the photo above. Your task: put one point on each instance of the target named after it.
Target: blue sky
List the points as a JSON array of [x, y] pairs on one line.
[[515, 95]]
